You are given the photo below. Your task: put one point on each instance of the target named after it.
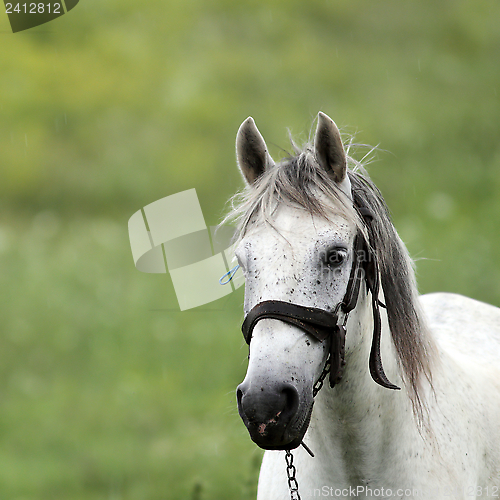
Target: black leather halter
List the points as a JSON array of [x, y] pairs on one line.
[[323, 324]]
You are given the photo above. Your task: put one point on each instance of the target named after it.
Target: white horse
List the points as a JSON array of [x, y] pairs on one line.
[[439, 436]]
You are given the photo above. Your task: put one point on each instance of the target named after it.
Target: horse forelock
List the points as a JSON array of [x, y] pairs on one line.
[[299, 181]]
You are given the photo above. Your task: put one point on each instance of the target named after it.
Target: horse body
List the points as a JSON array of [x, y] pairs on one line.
[[438, 437], [365, 439]]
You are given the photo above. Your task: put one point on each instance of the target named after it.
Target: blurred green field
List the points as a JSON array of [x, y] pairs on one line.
[[107, 391]]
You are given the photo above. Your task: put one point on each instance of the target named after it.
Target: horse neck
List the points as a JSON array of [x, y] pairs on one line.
[[353, 423]]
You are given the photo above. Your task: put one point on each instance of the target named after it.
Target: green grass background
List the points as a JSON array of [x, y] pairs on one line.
[[107, 391]]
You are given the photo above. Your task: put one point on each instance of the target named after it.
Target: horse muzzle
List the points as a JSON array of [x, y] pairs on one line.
[[275, 417]]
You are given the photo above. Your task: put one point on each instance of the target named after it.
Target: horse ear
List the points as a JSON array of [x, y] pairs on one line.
[[329, 148], [251, 151]]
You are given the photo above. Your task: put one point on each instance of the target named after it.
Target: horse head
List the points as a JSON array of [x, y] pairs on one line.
[[298, 253]]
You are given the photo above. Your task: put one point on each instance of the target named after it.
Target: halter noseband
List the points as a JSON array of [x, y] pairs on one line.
[[323, 324]]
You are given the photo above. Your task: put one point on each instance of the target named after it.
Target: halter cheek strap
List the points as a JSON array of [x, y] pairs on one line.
[[373, 285]]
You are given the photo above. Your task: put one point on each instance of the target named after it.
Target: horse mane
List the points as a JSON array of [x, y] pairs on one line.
[[299, 180], [411, 337]]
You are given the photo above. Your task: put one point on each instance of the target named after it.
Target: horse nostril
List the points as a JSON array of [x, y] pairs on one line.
[[239, 396], [244, 407], [291, 396]]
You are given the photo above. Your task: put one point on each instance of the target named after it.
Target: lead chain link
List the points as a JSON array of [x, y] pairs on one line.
[[293, 485], [319, 383]]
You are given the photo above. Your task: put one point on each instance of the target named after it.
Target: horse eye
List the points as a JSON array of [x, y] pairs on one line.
[[334, 257]]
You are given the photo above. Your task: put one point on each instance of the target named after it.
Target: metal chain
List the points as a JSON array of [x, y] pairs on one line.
[[293, 485], [319, 383]]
